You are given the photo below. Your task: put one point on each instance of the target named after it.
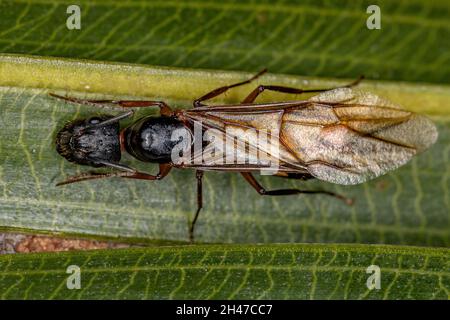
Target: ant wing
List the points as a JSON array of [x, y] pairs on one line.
[[340, 136], [348, 137]]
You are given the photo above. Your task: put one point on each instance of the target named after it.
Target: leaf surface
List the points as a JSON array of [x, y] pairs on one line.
[[308, 37], [407, 206], [231, 272]]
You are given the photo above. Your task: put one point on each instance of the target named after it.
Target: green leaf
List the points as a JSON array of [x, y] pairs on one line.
[[408, 206], [309, 37], [231, 272]]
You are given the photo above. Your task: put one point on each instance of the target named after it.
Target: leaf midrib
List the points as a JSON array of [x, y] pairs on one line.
[[246, 267], [252, 248], [318, 56]]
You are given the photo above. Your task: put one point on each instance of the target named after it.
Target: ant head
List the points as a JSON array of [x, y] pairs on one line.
[[88, 142]]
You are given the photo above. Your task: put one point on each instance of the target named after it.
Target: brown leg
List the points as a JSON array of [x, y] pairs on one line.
[[258, 90], [163, 171], [284, 192], [199, 176], [92, 176], [218, 91], [164, 108]]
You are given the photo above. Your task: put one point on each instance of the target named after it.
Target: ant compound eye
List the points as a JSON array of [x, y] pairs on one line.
[[94, 120]]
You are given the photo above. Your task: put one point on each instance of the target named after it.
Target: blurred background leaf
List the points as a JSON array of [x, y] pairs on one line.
[[307, 37]]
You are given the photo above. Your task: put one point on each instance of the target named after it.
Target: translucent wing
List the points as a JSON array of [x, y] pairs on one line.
[[341, 136], [348, 137]]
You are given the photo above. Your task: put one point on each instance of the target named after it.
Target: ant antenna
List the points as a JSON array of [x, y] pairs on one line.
[[111, 120]]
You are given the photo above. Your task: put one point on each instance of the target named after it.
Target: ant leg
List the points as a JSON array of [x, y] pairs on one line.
[[199, 176], [164, 108], [130, 173], [218, 91], [258, 90], [284, 192], [92, 176], [164, 169]]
